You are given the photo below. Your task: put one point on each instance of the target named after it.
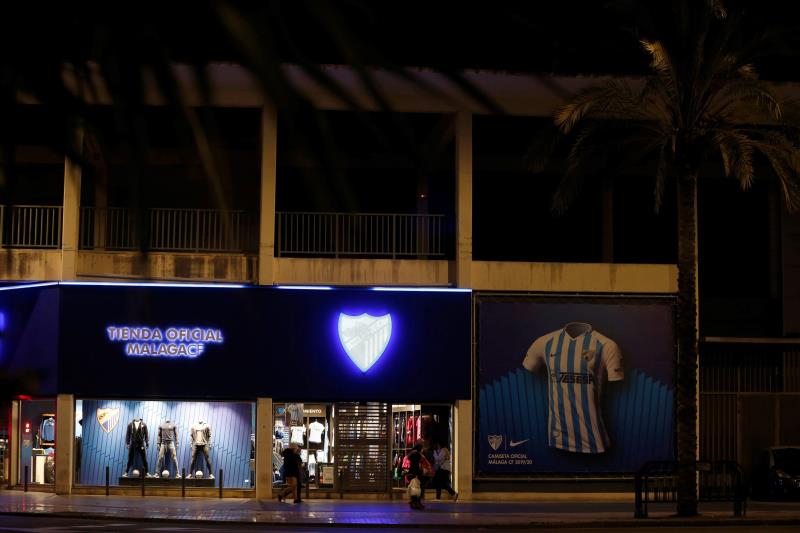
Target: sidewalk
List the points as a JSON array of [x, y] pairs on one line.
[[332, 513]]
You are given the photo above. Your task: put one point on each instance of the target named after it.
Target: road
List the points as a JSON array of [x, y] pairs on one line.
[[39, 524]]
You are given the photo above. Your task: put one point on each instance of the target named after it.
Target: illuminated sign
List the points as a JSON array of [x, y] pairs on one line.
[[172, 342], [364, 337]]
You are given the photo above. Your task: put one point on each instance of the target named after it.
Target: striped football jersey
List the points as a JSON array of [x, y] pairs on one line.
[[576, 366]]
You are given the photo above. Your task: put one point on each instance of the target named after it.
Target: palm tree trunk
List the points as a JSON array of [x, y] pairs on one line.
[[686, 418]]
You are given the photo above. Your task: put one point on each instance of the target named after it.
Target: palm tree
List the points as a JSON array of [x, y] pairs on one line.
[[702, 97]]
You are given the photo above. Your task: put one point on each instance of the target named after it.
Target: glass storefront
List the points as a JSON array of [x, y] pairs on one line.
[[37, 442], [356, 447], [163, 441]]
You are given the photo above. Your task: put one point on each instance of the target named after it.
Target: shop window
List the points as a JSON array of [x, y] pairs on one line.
[[37, 441], [308, 426], [163, 441]]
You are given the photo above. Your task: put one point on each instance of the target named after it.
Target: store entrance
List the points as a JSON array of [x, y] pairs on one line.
[[356, 447], [431, 426]]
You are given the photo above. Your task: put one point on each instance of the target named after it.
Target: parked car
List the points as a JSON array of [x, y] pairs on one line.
[[776, 473]]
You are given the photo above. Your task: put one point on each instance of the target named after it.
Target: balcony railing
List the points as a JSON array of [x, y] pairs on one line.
[[168, 230], [229, 231], [359, 235], [30, 226]]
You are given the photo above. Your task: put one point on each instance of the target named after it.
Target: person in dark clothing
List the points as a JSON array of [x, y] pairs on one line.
[[415, 472], [291, 470]]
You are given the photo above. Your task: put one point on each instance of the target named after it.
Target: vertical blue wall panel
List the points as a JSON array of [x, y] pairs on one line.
[[231, 427], [638, 414]]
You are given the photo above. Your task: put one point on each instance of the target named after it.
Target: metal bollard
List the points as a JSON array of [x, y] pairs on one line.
[[183, 482], [107, 480], [220, 483], [142, 476], [341, 484], [25, 480]]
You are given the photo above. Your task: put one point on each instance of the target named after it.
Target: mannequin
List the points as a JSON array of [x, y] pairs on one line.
[[200, 441], [47, 431], [137, 440], [167, 438]]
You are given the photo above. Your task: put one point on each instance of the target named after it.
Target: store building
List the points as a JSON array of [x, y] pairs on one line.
[[146, 382]]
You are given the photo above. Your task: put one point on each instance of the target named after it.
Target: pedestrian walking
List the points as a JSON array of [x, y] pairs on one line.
[[443, 464], [291, 471]]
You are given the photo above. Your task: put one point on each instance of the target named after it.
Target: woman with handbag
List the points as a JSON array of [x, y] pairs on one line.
[[413, 470]]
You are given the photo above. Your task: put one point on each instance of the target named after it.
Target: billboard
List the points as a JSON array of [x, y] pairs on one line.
[[573, 385]]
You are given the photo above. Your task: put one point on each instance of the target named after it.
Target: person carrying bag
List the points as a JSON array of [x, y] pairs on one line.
[[416, 469]]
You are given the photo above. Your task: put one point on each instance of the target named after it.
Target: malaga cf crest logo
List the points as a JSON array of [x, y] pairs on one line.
[[495, 441], [364, 337], [108, 417]]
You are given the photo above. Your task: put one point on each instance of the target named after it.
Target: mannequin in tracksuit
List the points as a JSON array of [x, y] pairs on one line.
[[137, 440], [200, 442]]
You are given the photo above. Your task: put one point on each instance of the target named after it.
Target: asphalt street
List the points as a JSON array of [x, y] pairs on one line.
[[40, 524]]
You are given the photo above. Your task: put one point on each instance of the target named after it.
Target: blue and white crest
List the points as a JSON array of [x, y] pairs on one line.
[[108, 417], [364, 337]]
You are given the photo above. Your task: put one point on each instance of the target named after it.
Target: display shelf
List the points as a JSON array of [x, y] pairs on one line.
[[166, 482]]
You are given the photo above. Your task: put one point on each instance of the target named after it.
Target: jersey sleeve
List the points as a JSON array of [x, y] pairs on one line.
[[535, 357], [612, 360]]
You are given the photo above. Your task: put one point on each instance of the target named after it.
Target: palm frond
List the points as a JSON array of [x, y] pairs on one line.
[[736, 150], [784, 158], [747, 97], [664, 70], [613, 99]]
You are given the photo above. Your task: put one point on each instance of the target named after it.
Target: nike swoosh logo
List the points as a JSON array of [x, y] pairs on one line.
[[515, 443]]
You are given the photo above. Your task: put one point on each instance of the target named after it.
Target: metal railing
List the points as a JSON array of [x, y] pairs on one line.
[[360, 234], [718, 481], [169, 230], [30, 226]]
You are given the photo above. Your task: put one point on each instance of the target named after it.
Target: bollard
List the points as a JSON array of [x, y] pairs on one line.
[[341, 484], [107, 479], [220, 483], [25, 480], [142, 476], [307, 483], [183, 482]]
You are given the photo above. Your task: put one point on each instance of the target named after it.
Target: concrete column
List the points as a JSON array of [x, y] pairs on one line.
[[269, 167], [264, 448], [70, 214], [462, 467], [65, 442], [13, 445], [463, 262]]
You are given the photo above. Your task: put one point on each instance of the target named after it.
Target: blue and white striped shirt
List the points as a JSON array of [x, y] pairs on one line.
[[577, 359]]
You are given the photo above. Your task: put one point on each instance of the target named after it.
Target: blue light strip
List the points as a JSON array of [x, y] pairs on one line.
[[305, 287], [418, 289], [29, 286], [154, 284]]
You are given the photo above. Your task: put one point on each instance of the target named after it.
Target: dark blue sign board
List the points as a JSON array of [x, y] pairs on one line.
[[240, 343]]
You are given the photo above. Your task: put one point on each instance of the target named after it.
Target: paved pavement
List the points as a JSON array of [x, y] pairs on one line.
[[351, 514]]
